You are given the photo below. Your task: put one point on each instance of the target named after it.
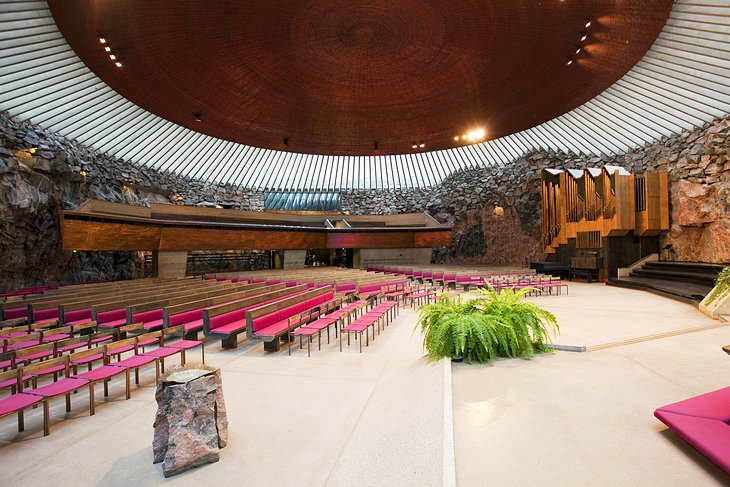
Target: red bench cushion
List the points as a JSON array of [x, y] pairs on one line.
[[17, 402], [113, 315], [186, 317], [146, 316]]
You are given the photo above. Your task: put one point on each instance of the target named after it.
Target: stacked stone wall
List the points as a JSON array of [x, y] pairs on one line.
[[495, 211]]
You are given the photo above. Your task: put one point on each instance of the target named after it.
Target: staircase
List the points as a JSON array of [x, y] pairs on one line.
[[685, 281]]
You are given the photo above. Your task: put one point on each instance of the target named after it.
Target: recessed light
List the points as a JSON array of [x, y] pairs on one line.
[[588, 24], [585, 36], [102, 40], [456, 138], [118, 64], [570, 61], [107, 48], [421, 145], [577, 50], [112, 57]]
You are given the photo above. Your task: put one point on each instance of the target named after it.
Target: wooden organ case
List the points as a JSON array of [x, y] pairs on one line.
[[597, 220]]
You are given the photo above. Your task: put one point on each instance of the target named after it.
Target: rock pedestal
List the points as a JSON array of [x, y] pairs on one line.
[[191, 423]]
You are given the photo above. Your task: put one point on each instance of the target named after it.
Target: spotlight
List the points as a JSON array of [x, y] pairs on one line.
[[198, 117], [414, 146], [584, 37], [112, 57], [118, 64], [107, 48], [570, 61], [102, 40], [422, 145], [588, 23], [477, 134], [456, 138], [577, 50]]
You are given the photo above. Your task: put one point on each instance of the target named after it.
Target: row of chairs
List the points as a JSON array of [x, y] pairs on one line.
[[22, 380]]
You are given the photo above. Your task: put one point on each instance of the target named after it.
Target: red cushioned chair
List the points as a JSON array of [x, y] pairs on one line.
[[62, 387], [102, 373], [18, 401]]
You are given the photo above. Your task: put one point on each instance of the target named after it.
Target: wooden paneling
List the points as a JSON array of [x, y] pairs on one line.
[[440, 238], [91, 232], [359, 78], [91, 235], [175, 238]]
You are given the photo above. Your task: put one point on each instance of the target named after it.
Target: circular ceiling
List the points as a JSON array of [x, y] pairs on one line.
[[360, 77]]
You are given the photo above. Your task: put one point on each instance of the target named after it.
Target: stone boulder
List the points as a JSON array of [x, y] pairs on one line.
[[693, 204], [191, 423]]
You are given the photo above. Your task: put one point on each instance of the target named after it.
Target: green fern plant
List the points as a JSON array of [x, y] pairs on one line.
[[489, 326], [722, 285]]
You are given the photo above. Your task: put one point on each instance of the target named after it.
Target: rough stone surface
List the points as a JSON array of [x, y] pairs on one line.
[[191, 423], [42, 173]]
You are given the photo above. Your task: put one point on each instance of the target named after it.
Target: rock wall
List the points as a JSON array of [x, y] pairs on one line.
[[495, 211]]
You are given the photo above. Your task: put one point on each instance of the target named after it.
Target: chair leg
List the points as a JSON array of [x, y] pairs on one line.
[[127, 383], [68, 403], [92, 409], [46, 419], [21, 421]]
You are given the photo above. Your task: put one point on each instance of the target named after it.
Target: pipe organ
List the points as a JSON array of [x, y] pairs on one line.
[[582, 208]]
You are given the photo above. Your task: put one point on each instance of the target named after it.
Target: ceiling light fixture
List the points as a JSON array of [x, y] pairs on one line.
[[477, 134], [112, 57], [570, 61], [102, 40], [588, 23], [107, 48], [118, 64], [421, 145], [584, 37], [577, 50]]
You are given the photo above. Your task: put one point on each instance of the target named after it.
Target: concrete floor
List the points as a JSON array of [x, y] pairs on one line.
[[377, 418]]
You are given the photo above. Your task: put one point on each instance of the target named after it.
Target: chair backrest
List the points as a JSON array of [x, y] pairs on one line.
[[39, 367], [134, 328], [100, 350], [111, 347], [11, 375], [12, 323], [21, 353], [88, 327], [148, 336], [71, 341], [30, 337], [14, 331], [171, 332], [102, 334], [61, 330]]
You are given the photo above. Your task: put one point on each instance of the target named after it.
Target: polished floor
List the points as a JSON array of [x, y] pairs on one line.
[[383, 417]]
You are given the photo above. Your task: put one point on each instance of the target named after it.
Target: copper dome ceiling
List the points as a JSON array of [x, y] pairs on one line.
[[360, 77]]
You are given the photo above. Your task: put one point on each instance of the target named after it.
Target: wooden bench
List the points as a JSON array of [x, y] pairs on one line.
[[227, 321], [270, 322], [190, 313]]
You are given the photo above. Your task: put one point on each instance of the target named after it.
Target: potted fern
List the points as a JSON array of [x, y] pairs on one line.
[[492, 325]]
